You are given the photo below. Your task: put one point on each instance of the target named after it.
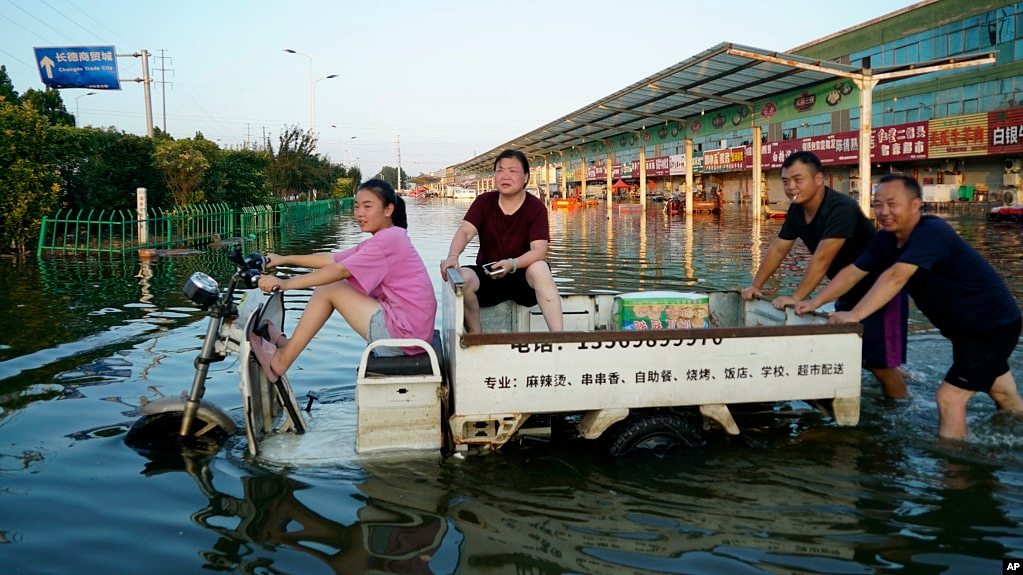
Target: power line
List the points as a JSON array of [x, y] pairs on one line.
[[18, 24], [163, 85], [66, 17], [129, 41], [16, 59], [36, 18]]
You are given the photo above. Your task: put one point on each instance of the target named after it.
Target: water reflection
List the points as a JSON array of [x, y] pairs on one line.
[[387, 535]]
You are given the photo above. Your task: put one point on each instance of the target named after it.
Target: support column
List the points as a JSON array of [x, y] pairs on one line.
[[866, 85], [582, 178], [689, 176], [642, 175], [609, 173], [758, 175], [547, 181]]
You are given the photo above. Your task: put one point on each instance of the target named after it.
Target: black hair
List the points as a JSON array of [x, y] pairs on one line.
[[385, 192], [809, 158], [912, 186], [513, 154]]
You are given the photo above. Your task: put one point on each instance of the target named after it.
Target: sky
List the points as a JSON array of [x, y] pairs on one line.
[[438, 81]]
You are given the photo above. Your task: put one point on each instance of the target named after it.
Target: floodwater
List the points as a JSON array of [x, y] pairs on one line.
[[84, 339]]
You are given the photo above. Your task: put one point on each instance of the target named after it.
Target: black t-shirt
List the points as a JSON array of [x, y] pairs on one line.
[[954, 286], [839, 216]]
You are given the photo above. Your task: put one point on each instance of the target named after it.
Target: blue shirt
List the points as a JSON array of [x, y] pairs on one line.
[[954, 286]]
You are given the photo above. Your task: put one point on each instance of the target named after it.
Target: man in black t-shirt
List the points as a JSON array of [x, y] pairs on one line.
[[836, 232], [951, 284]]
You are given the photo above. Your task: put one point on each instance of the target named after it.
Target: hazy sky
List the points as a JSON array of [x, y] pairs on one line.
[[450, 78]]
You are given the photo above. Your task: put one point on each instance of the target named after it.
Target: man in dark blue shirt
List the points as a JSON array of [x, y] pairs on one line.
[[953, 285]]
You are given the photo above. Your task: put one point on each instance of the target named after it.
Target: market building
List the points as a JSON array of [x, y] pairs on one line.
[[935, 90]]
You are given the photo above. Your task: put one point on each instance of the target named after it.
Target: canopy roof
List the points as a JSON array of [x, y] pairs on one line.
[[724, 75]]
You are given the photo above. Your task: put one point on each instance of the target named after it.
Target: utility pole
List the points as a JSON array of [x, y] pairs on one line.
[[399, 162], [146, 81], [163, 84]]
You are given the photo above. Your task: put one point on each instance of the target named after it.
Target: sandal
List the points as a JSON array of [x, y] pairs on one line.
[[264, 352], [277, 336], [270, 332]]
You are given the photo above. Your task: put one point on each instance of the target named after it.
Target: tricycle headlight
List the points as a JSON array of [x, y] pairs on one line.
[[201, 289]]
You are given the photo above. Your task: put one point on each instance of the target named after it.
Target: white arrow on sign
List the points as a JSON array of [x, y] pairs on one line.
[[47, 63]]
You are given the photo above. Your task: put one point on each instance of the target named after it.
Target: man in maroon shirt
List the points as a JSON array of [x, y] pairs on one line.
[[513, 236]]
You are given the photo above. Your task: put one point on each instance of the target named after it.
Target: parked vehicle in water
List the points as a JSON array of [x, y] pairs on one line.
[[638, 371]]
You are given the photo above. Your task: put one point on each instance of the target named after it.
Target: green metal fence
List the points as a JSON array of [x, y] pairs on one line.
[[117, 231]]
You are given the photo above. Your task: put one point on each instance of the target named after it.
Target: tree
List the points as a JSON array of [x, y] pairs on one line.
[[48, 103], [28, 174], [7, 91], [184, 166], [102, 169], [240, 179], [389, 174], [289, 170]]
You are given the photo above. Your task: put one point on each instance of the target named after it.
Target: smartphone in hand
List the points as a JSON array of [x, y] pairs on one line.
[[491, 268]]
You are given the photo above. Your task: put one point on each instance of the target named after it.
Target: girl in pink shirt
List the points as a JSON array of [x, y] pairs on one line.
[[380, 286]]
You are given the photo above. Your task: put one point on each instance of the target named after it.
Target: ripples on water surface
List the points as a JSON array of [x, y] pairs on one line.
[[84, 339]]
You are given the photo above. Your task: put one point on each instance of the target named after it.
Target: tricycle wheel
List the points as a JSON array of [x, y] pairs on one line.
[[655, 433], [160, 431]]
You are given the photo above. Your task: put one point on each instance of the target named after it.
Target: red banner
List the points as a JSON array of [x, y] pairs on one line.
[[888, 144], [1005, 131], [658, 167]]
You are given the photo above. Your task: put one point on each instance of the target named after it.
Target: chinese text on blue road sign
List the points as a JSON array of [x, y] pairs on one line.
[[93, 67]]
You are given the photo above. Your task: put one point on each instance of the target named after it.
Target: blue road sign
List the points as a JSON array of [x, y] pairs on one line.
[[93, 67]]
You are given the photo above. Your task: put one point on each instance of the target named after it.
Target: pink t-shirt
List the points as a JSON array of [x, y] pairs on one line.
[[388, 268]]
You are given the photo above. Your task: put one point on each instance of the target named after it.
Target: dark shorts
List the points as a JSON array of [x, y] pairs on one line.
[[884, 333], [978, 358], [511, 287]]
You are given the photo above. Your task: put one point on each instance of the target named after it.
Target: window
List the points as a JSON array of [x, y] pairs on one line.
[[973, 38], [955, 43]]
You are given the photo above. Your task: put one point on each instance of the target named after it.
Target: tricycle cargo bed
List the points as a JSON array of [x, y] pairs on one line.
[[751, 353]]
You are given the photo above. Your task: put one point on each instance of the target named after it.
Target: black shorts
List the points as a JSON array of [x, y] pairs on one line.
[[511, 287], [979, 358]]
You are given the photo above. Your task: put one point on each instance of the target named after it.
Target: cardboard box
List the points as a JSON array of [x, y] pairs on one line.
[[655, 310]]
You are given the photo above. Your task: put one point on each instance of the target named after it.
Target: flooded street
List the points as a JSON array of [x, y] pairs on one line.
[[794, 493]]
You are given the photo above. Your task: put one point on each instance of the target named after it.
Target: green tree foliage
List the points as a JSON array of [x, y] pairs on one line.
[[28, 174], [291, 168], [7, 91], [240, 180], [46, 162], [389, 174], [184, 165], [49, 103], [103, 168]]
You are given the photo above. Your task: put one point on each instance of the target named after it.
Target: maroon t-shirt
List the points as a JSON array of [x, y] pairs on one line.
[[506, 236]]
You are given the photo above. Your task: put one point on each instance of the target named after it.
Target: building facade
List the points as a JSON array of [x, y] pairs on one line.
[[959, 132]]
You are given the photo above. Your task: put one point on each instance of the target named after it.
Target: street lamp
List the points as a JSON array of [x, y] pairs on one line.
[[344, 144], [312, 87], [77, 120], [346, 149]]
